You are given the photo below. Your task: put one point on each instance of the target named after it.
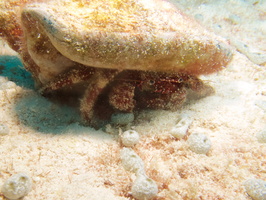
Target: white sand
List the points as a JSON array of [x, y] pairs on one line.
[[67, 161]]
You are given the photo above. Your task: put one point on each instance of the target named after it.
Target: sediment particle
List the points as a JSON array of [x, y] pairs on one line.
[[17, 186]]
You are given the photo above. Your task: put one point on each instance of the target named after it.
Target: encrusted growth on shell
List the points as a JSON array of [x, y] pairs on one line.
[[128, 34]]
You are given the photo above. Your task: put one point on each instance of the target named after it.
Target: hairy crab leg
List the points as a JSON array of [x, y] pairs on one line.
[[11, 31], [121, 96], [198, 86], [96, 86], [10, 27], [163, 101], [12, 34], [73, 76]]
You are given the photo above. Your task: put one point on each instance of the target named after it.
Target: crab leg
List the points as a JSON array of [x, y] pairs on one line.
[[121, 96], [11, 33], [73, 76], [198, 86], [96, 86], [163, 101]]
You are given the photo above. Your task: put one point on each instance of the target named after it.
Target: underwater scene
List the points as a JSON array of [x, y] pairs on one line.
[[133, 100]]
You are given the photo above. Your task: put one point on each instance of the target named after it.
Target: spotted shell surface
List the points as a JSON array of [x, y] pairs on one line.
[[145, 35], [123, 34]]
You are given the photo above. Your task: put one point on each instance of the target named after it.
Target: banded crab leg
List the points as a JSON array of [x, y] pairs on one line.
[[73, 76], [163, 101], [97, 80], [121, 96], [96, 86]]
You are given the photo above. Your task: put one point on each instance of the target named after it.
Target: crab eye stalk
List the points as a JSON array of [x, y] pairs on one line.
[[151, 82]]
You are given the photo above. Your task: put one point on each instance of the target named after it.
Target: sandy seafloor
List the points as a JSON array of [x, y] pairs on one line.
[[70, 162]]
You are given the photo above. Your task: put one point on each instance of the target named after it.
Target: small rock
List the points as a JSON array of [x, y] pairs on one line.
[[144, 188], [261, 136], [129, 138], [4, 130], [180, 130], [131, 161], [199, 143], [17, 186], [199, 17], [256, 188]]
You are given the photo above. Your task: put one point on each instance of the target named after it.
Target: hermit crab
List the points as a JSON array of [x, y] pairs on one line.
[[120, 55]]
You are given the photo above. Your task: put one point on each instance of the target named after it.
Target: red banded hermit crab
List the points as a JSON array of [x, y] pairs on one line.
[[128, 54]]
